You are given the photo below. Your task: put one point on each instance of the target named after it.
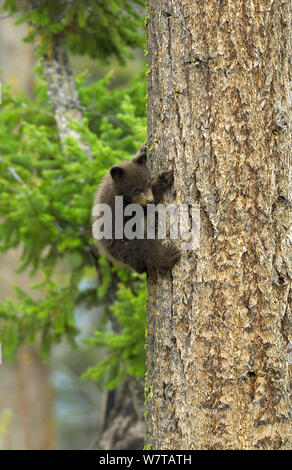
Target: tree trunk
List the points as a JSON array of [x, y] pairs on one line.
[[25, 389], [217, 373], [62, 90], [122, 426], [16, 57]]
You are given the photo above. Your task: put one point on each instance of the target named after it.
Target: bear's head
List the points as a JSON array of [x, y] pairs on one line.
[[132, 180]]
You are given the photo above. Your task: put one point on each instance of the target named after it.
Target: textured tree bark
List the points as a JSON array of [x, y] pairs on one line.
[[62, 90], [123, 428], [218, 76]]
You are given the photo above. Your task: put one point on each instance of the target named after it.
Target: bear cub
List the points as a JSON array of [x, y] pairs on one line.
[[132, 180]]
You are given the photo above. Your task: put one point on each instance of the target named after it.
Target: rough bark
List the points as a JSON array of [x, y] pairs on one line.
[[62, 90], [123, 428], [218, 75]]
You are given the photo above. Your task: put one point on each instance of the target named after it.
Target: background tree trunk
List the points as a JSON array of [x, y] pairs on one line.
[[62, 90], [25, 389], [218, 324], [16, 57]]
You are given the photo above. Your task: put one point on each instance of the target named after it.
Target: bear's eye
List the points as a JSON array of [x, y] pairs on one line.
[[137, 191]]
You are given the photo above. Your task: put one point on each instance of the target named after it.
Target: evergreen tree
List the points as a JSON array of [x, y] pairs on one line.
[[98, 28], [47, 186]]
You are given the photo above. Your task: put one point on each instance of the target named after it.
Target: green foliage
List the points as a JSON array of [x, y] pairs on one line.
[[125, 352], [52, 316], [99, 28], [46, 196], [46, 191]]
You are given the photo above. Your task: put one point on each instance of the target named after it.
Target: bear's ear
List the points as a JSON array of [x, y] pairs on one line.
[[116, 173], [141, 157]]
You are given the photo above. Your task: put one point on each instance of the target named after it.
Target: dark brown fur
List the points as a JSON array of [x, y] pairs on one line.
[[125, 180]]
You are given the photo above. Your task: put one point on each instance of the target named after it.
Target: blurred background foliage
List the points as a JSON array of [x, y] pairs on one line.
[[46, 196]]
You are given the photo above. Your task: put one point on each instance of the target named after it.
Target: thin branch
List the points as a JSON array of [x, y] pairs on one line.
[[13, 172], [63, 12]]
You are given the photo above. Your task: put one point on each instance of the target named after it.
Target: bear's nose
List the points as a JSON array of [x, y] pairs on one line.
[[149, 197]]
